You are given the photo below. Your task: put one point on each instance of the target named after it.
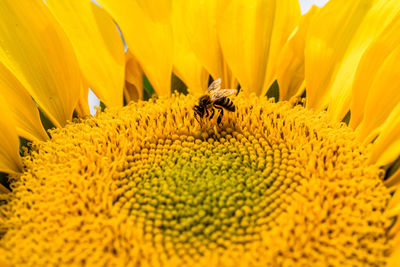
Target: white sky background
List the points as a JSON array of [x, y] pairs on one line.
[[304, 4]]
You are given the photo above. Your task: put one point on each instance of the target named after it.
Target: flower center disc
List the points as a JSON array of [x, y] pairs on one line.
[[196, 194], [272, 185]]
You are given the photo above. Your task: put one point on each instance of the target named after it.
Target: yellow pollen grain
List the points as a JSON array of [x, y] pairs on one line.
[[273, 185]]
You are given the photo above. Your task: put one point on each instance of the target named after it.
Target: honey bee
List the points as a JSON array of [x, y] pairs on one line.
[[215, 98]]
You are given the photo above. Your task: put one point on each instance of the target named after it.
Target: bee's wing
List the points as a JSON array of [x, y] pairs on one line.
[[222, 93], [214, 86], [216, 96], [227, 92]]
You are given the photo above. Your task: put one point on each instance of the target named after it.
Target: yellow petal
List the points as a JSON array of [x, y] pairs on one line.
[[287, 17], [394, 259], [251, 36], [22, 107], [394, 180], [157, 10], [36, 50], [386, 148], [82, 108], [10, 161], [97, 44], [337, 38], [383, 96], [3, 190], [186, 65], [368, 67], [3, 261], [290, 69], [132, 93], [199, 25], [393, 207], [146, 27], [134, 79], [192, 74], [244, 30]]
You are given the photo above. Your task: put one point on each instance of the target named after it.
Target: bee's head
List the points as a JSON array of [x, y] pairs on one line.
[[204, 101]]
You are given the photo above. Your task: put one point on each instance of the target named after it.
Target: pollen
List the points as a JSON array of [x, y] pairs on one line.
[[272, 185]]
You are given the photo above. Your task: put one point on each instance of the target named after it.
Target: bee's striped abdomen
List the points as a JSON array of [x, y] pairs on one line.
[[226, 103]]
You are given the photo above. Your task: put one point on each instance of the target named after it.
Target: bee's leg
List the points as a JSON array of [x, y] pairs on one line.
[[220, 116], [221, 113], [212, 113], [199, 120], [195, 116], [207, 113]]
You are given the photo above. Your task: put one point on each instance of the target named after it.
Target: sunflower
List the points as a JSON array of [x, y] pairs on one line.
[[303, 172]]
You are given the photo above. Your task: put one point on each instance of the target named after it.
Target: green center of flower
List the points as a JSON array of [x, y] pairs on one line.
[[195, 194], [147, 184]]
